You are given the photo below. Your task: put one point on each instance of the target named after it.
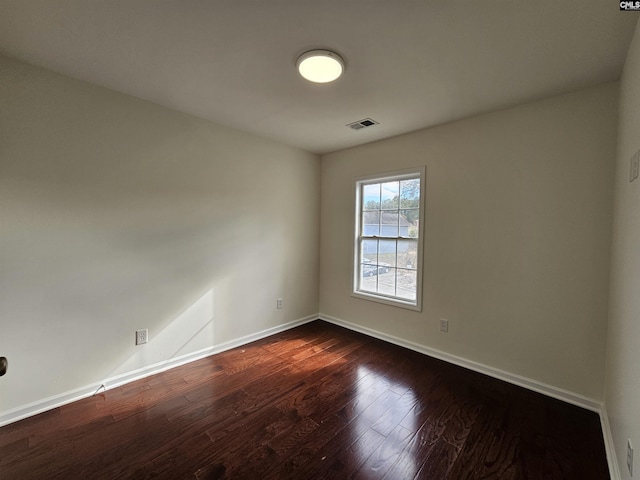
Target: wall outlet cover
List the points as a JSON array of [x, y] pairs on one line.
[[444, 325], [634, 167], [142, 336]]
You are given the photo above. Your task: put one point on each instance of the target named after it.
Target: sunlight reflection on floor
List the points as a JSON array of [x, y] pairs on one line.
[[384, 417]]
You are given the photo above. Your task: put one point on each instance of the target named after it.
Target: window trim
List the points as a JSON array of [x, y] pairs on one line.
[[420, 172]]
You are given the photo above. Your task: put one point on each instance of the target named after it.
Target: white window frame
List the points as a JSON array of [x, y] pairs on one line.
[[419, 172]]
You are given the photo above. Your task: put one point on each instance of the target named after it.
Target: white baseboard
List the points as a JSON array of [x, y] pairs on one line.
[[612, 460], [528, 383], [59, 400]]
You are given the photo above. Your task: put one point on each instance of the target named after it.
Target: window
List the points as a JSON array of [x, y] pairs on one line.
[[388, 238]]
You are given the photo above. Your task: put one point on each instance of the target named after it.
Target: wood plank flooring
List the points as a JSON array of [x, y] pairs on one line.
[[314, 402]]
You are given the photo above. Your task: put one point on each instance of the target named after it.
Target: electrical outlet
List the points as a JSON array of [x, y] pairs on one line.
[[279, 303], [634, 167], [444, 325], [142, 336], [630, 457]]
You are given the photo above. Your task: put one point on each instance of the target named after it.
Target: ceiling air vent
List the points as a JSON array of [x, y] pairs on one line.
[[360, 124]]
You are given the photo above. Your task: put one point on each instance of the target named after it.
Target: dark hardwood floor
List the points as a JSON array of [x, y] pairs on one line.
[[314, 402]]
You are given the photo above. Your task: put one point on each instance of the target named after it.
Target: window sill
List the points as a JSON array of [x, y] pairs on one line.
[[393, 302]]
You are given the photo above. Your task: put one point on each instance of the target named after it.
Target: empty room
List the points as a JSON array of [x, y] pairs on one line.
[[319, 240]]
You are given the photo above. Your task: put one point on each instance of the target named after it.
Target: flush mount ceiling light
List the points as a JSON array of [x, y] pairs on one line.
[[320, 66]]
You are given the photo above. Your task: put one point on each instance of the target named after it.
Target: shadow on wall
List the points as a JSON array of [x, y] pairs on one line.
[[173, 339]]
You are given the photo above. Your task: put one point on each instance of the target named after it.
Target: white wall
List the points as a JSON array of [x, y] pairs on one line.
[[622, 393], [117, 214], [518, 222]]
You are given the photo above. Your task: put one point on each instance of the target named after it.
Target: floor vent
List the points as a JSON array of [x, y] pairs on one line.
[[360, 124]]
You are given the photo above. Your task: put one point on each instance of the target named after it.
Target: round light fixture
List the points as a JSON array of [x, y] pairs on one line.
[[320, 66]]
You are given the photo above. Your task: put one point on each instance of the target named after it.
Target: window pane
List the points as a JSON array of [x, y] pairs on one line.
[[410, 193], [371, 223], [390, 192], [407, 284], [369, 251], [371, 197], [389, 227], [408, 254], [409, 223], [368, 281], [387, 281], [387, 253]]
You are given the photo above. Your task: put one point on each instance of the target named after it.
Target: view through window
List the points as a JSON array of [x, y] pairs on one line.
[[388, 238]]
